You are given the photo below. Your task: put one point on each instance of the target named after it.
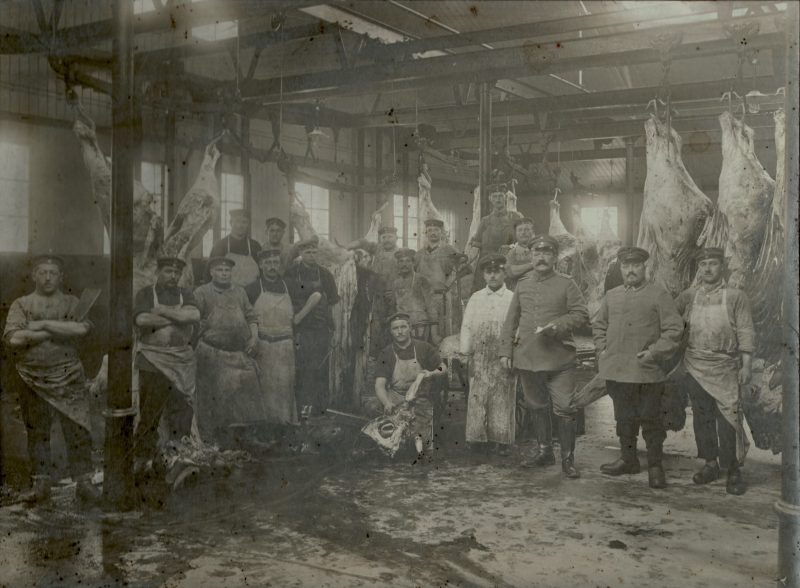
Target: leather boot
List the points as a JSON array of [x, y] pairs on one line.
[[735, 484], [567, 429], [39, 491], [656, 477], [86, 492], [628, 463], [544, 455]]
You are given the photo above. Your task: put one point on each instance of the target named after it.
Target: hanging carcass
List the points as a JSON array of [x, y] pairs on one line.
[[605, 249], [674, 210]]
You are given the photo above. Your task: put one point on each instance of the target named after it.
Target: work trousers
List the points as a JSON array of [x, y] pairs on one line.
[[157, 395], [558, 386], [37, 415], [312, 360], [639, 405], [714, 435]]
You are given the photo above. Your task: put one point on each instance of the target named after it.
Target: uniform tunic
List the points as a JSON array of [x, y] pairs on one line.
[[631, 320], [492, 394], [537, 301]]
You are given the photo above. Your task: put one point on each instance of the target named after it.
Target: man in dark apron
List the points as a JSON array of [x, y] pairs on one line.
[[239, 248], [313, 332], [164, 315], [41, 330], [717, 363], [278, 305], [228, 389]]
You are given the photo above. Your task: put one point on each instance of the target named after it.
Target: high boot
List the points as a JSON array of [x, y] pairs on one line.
[[628, 463], [544, 435], [655, 472], [567, 429], [39, 492]]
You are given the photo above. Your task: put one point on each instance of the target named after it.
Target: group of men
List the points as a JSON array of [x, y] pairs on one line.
[[227, 354]]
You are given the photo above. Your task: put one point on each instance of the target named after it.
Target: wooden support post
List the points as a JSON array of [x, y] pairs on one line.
[[485, 143], [788, 507], [380, 197], [406, 186], [360, 155], [118, 475]]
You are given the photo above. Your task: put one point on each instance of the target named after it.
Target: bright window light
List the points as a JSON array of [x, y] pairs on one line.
[[592, 218]]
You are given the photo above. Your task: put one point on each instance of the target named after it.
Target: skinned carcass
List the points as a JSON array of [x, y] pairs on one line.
[[765, 289], [744, 203], [471, 251], [674, 210], [97, 163], [195, 215], [427, 209]]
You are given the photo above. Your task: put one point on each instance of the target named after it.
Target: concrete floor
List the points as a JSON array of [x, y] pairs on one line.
[[461, 520]]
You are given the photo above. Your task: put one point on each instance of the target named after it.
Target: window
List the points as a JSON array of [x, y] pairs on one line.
[[14, 190], [592, 217], [317, 203], [407, 207], [231, 198], [142, 6]]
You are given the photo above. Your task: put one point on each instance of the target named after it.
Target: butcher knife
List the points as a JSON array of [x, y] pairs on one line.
[[85, 303]]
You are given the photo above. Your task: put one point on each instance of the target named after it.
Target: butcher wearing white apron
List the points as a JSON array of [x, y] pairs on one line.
[[717, 363], [239, 248]]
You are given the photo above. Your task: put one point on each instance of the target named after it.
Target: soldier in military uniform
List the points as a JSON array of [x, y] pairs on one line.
[[537, 341]]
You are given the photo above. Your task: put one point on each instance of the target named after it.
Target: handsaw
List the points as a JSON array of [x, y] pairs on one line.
[[85, 303]]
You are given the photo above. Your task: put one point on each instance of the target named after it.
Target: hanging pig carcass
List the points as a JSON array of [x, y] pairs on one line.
[[674, 210], [605, 252]]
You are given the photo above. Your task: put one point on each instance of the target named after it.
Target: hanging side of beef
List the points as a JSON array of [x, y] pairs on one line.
[[674, 210]]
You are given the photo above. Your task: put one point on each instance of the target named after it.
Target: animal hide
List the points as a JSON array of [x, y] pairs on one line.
[[674, 210]]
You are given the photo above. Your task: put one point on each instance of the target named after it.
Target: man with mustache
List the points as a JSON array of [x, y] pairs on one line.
[[384, 262], [637, 330], [537, 341], [437, 262], [411, 291], [717, 361]]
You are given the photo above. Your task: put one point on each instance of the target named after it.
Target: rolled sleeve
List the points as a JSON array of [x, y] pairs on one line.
[[15, 320]]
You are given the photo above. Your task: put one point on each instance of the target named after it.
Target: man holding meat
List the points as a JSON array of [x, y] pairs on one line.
[[717, 361], [42, 330], [537, 341], [636, 331]]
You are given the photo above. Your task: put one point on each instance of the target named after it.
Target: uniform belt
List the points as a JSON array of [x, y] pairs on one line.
[[271, 339]]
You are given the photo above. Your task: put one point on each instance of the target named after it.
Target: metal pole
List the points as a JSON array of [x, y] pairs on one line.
[[244, 163], [171, 185], [406, 187], [788, 507], [118, 475], [485, 143], [380, 197]]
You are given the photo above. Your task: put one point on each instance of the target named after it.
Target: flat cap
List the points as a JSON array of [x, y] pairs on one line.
[[239, 213], [434, 222], [710, 253], [399, 316], [274, 220], [175, 262], [220, 260], [493, 261], [497, 188], [385, 229], [632, 255], [269, 252], [545, 242], [47, 258], [405, 252]]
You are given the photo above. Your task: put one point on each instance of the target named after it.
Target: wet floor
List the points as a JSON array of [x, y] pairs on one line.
[[458, 520]]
